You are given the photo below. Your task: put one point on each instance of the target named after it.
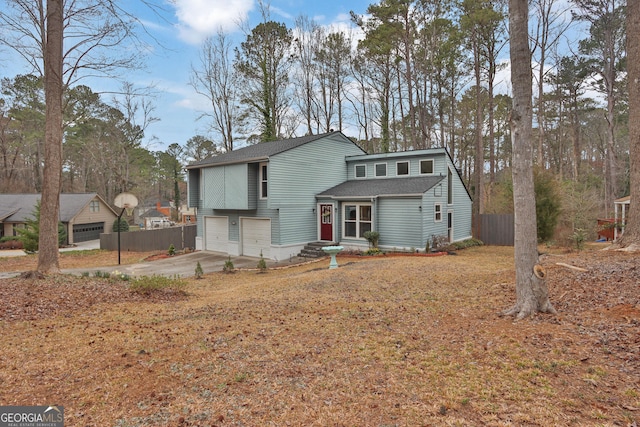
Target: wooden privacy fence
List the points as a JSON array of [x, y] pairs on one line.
[[151, 240], [495, 229]]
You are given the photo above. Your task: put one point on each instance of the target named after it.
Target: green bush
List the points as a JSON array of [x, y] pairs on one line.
[[373, 251], [578, 238], [372, 237], [172, 250], [228, 266], [120, 225], [149, 284], [199, 272], [547, 205], [30, 234], [262, 264], [463, 244], [548, 195]]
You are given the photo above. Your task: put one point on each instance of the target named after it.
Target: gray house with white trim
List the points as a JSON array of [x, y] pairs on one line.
[[273, 198]]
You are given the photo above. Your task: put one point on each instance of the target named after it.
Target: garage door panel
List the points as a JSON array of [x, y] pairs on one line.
[[86, 232], [216, 233], [256, 237]]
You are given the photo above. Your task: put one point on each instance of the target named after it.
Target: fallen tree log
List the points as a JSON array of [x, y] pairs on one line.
[[571, 267]]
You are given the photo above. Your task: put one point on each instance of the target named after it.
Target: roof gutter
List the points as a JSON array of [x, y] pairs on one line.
[[377, 196], [232, 162]]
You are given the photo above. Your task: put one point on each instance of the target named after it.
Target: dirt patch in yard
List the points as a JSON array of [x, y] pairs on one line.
[[377, 342]]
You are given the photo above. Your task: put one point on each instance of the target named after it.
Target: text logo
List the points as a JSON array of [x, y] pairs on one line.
[[31, 416]]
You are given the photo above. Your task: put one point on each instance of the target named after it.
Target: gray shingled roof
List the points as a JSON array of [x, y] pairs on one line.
[[153, 213], [262, 150], [19, 208], [382, 187]]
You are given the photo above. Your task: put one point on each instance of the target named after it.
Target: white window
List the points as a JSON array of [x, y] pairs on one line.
[[357, 220], [94, 206], [361, 171], [381, 169], [426, 167], [402, 168], [263, 181], [449, 186], [437, 212]]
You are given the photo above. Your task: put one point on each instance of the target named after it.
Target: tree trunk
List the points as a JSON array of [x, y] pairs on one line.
[[531, 289], [50, 203], [478, 194], [631, 236]]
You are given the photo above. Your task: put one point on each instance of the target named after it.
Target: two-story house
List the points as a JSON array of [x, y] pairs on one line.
[[273, 198]]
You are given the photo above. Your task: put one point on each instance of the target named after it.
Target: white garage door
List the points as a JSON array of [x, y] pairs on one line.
[[256, 237], [216, 233]]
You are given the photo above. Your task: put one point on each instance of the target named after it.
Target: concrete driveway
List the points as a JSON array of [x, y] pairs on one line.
[[178, 266], [185, 265]]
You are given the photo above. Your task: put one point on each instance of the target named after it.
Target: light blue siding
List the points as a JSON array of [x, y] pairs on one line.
[[193, 194], [296, 176], [399, 222], [213, 189], [236, 194], [438, 156], [227, 187], [461, 206]]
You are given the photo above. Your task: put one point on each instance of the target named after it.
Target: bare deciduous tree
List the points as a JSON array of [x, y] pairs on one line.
[[551, 24], [37, 32], [216, 80], [604, 52], [307, 36]]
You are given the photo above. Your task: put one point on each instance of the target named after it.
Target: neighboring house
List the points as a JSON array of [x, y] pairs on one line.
[[272, 198], [165, 208], [155, 218], [613, 228], [85, 215], [186, 214]]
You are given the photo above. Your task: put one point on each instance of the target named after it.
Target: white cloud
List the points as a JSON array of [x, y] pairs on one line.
[[198, 19]]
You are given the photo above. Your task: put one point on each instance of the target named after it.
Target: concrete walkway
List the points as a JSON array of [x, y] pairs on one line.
[[82, 246]]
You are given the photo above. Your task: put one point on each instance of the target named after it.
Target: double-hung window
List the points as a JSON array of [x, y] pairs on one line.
[[361, 171], [263, 180], [357, 220], [381, 169], [437, 211], [94, 206]]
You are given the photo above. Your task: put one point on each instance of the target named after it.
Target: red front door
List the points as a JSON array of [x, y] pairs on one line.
[[326, 222]]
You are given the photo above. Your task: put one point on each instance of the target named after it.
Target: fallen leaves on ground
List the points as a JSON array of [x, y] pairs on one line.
[[376, 342]]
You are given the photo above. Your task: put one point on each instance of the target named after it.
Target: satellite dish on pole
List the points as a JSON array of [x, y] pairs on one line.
[[126, 202]]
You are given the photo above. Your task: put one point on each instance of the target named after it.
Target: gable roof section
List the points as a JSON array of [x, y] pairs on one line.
[[22, 206], [6, 212], [261, 151], [154, 213], [387, 187]]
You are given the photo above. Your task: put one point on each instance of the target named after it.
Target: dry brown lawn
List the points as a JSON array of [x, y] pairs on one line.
[[385, 341]]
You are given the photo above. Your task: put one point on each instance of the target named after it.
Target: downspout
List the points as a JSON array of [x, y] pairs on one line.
[[374, 212]]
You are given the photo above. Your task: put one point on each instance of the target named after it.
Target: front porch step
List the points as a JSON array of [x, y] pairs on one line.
[[314, 250]]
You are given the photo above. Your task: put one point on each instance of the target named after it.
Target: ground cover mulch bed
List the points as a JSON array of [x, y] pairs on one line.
[[380, 341]]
